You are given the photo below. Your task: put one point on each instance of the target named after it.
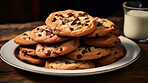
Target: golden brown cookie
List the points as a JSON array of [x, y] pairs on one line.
[[24, 39], [30, 59], [43, 34], [71, 23], [57, 49], [116, 32], [67, 64], [88, 53], [30, 50], [104, 27], [115, 55], [106, 41]]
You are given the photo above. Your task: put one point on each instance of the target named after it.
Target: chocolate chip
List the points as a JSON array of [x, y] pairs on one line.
[[84, 24], [51, 50], [48, 33], [67, 62], [39, 35], [70, 14], [27, 38], [87, 21], [79, 22], [99, 53], [47, 53], [61, 15], [61, 18], [79, 56], [56, 14], [97, 35], [115, 52], [99, 24], [83, 62], [85, 13], [57, 31], [53, 19], [71, 28], [24, 51], [60, 49], [73, 23], [63, 23], [115, 42], [66, 20], [80, 14], [54, 54], [89, 49], [79, 49], [106, 27], [26, 55], [84, 51], [38, 29], [24, 34], [41, 29], [50, 36], [86, 18], [76, 19], [112, 33]]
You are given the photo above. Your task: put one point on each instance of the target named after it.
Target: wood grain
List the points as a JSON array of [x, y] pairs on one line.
[[9, 31]]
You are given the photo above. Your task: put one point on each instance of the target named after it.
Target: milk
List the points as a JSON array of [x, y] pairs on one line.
[[136, 24]]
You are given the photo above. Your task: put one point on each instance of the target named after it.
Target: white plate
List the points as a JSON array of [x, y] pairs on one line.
[[132, 54]]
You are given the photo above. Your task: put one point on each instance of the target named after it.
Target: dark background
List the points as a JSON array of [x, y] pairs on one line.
[[18, 11]]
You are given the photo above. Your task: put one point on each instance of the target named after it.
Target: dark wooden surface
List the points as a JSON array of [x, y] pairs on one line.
[[134, 73]]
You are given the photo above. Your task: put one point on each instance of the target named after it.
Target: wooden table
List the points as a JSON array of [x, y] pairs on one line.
[[134, 73]]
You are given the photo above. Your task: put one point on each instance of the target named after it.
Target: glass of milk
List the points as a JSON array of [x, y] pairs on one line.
[[136, 20]]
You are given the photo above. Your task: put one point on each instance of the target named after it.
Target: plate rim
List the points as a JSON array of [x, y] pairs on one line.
[[71, 74]]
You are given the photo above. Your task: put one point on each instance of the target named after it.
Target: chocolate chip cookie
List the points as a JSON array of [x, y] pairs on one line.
[[57, 49], [88, 53], [71, 23], [29, 50], [30, 59], [67, 64], [43, 34], [106, 41], [115, 55], [104, 27], [24, 39]]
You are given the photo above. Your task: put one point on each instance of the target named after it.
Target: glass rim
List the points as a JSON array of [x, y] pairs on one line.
[[124, 5]]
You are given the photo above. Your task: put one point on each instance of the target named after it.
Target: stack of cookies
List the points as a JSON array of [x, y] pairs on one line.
[[71, 40]]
